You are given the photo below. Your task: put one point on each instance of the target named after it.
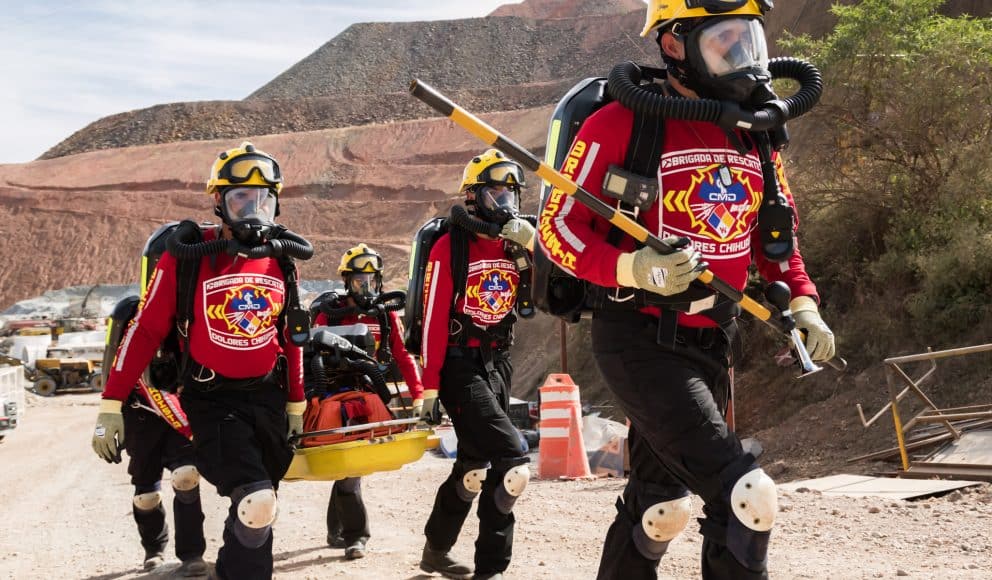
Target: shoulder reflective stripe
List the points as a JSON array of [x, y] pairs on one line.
[[131, 327], [566, 233], [587, 164], [425, 333]]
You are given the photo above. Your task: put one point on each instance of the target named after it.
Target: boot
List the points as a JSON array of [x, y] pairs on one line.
[[154, 558], [441, 562], [335, 540], [355, 551], [192, 568]]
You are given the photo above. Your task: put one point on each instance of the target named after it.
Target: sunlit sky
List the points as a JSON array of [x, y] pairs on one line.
[[66, 64]]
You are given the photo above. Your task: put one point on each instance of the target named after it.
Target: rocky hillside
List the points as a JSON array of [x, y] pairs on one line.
[[523, 55]]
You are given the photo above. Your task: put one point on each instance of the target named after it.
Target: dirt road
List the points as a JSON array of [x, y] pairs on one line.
[[66, 514]]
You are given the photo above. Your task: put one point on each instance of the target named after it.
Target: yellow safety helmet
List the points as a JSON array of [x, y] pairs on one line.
[[492, 167], [662, 12], [360, 258], [247, 166]]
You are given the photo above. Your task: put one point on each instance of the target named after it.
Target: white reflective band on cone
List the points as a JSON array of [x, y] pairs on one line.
[[553, 432], [555, 413], [560, 396]]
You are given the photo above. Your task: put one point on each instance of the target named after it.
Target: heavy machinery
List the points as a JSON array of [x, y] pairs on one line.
[[53, 374]]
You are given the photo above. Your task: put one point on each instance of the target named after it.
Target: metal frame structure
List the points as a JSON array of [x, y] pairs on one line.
[[954, 420]]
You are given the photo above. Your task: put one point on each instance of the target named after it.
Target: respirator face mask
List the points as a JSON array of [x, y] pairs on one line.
[[249, 212], [729, 59], [496, 203]]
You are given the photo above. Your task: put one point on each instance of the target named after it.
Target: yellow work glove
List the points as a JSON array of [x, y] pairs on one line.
[[294, 412], [108, 436], [430, 408], [520, 232], [417, 407], [819, 337], [665, 274]]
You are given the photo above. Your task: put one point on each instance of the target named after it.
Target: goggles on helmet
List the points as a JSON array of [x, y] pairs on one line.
[[718, 6], [247, 203], [365, 263], [729, 45], [241, 168], [508, 173]]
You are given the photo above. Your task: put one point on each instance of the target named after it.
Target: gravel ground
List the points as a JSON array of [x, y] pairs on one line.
[[68, 515]]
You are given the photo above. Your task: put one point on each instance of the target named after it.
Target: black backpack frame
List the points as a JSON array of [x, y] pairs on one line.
[[557, 292]]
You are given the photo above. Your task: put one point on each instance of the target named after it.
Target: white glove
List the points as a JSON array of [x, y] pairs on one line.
[[665, 274], [294, 414], [819, 337], [519, 231]]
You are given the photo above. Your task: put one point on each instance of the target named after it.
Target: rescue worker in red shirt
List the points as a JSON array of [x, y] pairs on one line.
[[467, 332], [243, 377], [361, 272], [158, 438], [661, 342]]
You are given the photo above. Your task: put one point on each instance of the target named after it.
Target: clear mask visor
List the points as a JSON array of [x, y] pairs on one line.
[[365, 284], [244, 203], [730, 45], [498, 197]]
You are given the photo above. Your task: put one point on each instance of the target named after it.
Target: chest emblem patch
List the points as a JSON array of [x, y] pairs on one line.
[[491, 290], [720, 201], [241, 310]]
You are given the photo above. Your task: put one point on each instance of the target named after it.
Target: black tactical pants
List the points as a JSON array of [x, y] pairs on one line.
[[240, 436], [152, 445], [346, 514], [674, 396], [477, 402]]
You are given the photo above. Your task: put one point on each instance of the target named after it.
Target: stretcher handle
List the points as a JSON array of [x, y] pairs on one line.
[[353, 428]]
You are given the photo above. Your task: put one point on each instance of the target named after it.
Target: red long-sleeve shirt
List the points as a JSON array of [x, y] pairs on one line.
[[404, 360], [719, 218], [235, 308], [488, 297]]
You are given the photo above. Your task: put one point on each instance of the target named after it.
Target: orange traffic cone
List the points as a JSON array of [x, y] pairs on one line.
[[562, 452]]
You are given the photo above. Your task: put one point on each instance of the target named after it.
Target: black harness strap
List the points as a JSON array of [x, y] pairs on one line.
[[187, 277], [461, 328]]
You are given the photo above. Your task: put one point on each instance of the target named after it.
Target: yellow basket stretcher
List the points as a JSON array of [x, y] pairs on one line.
[[362, 457]]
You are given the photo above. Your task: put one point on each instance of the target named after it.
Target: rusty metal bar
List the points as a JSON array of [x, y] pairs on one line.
[[967, 471], [925, 376], [909, 447], [938, 354], [953, 417], [925, 398], [967, 408]]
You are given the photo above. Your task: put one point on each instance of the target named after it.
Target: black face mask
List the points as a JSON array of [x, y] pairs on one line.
[[725, 59], [364, 287], [249, 212], [496, 203]]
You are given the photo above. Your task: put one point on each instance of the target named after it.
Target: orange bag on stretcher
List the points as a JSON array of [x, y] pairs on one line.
[[346, 409]]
